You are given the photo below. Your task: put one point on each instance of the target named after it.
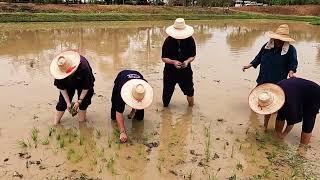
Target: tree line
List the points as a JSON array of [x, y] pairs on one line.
[[203, 3]]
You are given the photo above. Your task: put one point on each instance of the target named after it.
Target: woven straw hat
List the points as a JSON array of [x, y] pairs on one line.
[[282, 33], [64, 64], [179, 30], [137, 94], [266, 99]]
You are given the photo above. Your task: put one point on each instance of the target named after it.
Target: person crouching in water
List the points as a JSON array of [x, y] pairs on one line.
[[297, 99], [72, 72], [132, 89], [178, 51]]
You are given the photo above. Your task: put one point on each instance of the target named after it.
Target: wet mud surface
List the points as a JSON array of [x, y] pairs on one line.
[[219, 138]]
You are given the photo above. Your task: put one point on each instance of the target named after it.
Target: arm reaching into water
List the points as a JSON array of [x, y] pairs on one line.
[[120, 121]]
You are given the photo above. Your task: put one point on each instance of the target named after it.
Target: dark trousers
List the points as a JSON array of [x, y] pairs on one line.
[[62, 105], [139, 115], [170, 79]]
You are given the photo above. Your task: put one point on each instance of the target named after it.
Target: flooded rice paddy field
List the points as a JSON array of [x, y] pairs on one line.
[[219, 138]]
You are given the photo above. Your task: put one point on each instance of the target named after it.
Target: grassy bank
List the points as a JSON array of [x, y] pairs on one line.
[[76, 17]]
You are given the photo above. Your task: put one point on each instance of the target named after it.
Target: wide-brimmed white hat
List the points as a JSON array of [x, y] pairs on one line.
[[179, 30], [266, 98], [137, 94], [282, 33], [64, 64]]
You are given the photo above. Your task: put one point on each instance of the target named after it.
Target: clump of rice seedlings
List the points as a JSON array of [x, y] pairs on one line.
[[109, 141], [189, 175], [61, 143], [81, 141], [34, 136], [70, 153], [94, 162], [58, 137], [45, 141], [74, 156], [22, 143], [110, 165], [101, 152], [239, 166], [233, 177], [51, 131], [207, 152], [98, 133], [116, 134]]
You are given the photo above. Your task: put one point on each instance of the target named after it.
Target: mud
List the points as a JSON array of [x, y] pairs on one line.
[[219, 138]]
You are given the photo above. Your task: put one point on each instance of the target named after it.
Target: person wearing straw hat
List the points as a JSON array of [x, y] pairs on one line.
[[295, 99], [277, 58], [178, 51], [132, 89], [72, 72]]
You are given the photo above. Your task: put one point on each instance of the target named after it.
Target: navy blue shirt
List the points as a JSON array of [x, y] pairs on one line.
[[124, 76], [275, 67], [82, 78], [179, 50], [302, 101]]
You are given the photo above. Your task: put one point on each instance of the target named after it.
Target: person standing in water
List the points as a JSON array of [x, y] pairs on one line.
[[178, 51], [132, 89], [72, 72], [297, 99], [277, 59]]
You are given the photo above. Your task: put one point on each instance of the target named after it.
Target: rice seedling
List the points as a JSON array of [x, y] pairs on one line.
[[51, 131], [110, 165], [34, 136], [109, 141], [45, 141], [212, 177], [207, 143], [101, 152], [81, 140], [232, 151], [189, 175], [94, 161], [22, 143], [61, 143], [98, 133], [233, 177], [239, 166], [70, 153], [58, 137]]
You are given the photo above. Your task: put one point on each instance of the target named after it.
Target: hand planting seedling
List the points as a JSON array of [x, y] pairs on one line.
[[73, 110]]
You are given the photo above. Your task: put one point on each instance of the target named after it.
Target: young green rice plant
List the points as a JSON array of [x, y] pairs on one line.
[[81, 141], [70, 153], [207, 147], [239, 166], [94, 162], [101, 152], [51, 131], [110, 165], [22, 143], [45, 141], [34, 136], [61, 143], [232, 151], [58, 137], [190, 174], [109, 141], [98, 133]]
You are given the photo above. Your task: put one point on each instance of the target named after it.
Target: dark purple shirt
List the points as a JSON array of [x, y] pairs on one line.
[[82, 78], [302, 99], [124, 76]]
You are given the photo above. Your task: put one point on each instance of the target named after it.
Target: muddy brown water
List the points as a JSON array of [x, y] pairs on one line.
[[219, 138]]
